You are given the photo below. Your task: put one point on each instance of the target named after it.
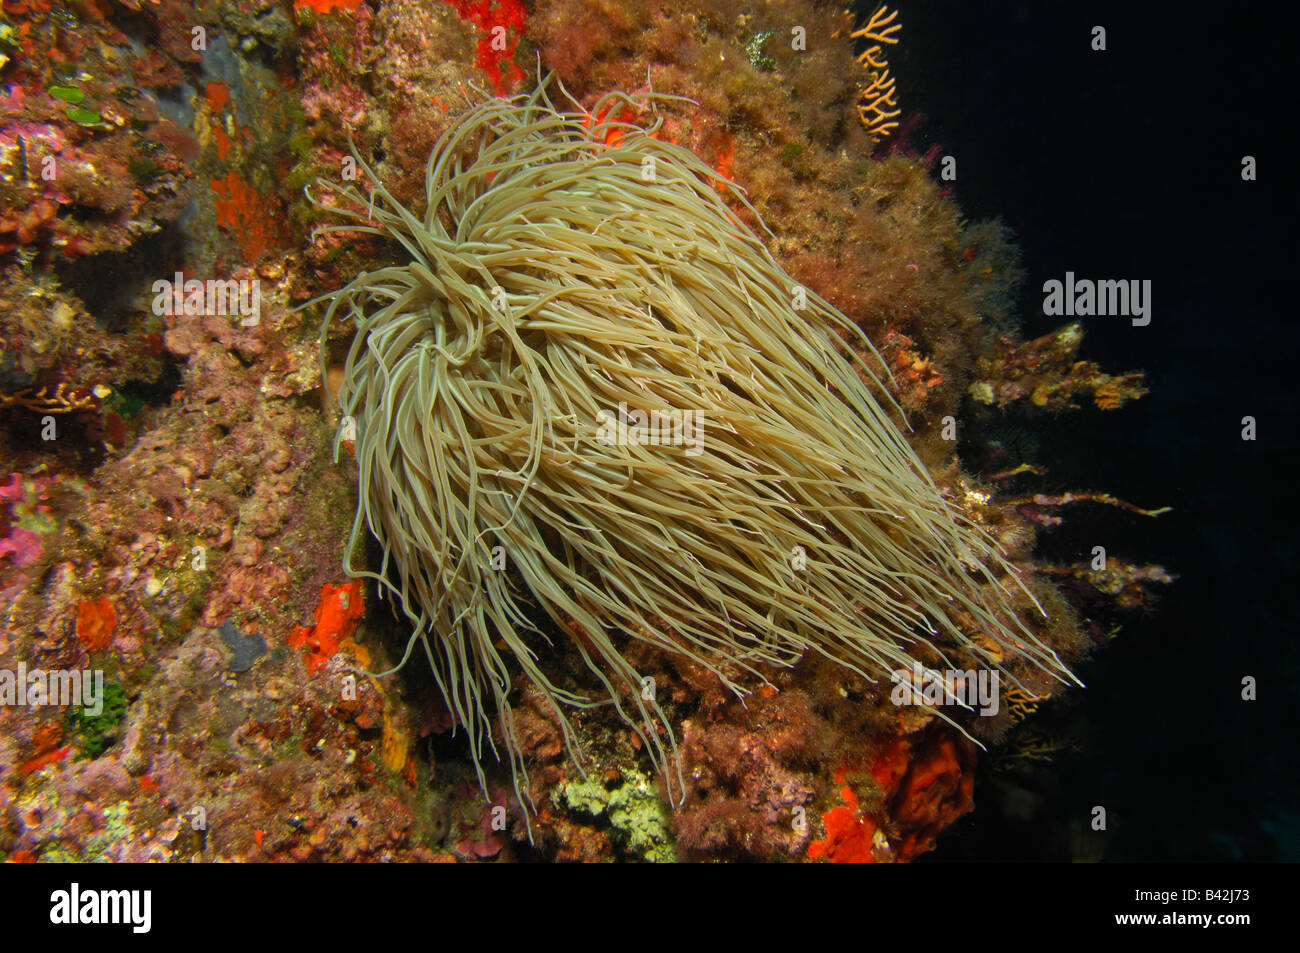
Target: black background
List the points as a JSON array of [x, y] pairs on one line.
[[1127, 164]]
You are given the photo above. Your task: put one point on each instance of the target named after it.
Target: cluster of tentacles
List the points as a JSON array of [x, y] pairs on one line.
[[571, 278]]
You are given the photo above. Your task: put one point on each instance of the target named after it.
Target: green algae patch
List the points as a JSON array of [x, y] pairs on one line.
[[95, 734], [69, 94]]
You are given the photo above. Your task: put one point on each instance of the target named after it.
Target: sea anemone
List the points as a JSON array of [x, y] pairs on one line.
[[588, 392]]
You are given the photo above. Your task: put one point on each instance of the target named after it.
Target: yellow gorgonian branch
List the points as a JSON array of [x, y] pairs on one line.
[[1020, 704], [63, 400], [877, 108]]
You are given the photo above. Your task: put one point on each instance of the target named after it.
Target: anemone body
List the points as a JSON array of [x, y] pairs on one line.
[[572, 281]]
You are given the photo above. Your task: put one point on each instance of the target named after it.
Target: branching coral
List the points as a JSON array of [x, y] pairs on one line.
[[569, 266], [877, 107], [62, 400]]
